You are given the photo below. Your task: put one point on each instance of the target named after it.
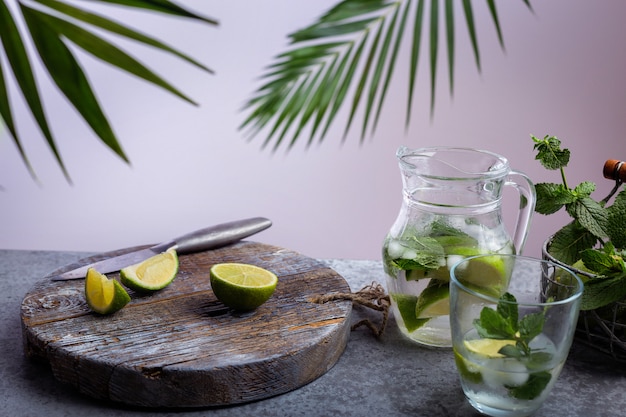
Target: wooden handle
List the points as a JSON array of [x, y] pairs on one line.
[[614, 170]]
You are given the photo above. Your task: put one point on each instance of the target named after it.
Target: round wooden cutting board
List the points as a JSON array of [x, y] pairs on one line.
[[180, 347]]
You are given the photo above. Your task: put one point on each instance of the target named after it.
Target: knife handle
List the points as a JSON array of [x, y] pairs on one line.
[[220, 235]]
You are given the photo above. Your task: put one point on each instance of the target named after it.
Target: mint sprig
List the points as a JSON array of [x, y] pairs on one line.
[[596, 236], [504, 323]]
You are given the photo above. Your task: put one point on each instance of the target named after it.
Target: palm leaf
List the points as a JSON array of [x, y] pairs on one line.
[[162, 6], [415, 53], [89, 42], [361, 40], [22, 70], [471, 27], [7, 115], [68, 75], [49, 33], [450, 40], [434, 49], [117, 28]]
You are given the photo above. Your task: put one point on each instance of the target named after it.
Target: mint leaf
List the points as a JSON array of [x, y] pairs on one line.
[[551, 197], [602, 262], [549, 152], [602, 291], [492, 325], [408, 264], [429, 253], [502, 323], [591, 215], [538, 359], [616, 223], [535, 385], [448, 236], [507, 308], [531, 325], [584, 189], [512, 351], [439, 228], [570, 241]]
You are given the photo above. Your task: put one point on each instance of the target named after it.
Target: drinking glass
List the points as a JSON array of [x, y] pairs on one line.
[[510, 343]]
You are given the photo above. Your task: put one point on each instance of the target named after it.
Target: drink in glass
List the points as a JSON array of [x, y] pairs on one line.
[[510, 345]]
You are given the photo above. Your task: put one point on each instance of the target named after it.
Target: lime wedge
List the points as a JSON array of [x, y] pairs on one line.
[[103, 295], [434, 301], [488, 347], [406, 306], [468, 371], [153, 274], [487, 274], [242, 286]]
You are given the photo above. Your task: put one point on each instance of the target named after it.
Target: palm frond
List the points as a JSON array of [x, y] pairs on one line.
[[20, 65], [352, 49], [51, 26]]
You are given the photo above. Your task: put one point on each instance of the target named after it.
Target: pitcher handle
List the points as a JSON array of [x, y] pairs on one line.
[[528, 198]]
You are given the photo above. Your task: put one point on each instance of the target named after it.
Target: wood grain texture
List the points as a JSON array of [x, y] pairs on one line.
[[180, 347]]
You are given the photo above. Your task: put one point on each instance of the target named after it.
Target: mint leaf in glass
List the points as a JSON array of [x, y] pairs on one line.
[[491, 325], [532, 388], [503, 323]]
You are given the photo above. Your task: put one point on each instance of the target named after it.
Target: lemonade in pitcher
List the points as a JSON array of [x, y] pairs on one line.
[[451, 209], [418, 266]]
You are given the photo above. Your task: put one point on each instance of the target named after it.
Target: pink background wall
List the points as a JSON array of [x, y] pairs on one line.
[[562, 73]]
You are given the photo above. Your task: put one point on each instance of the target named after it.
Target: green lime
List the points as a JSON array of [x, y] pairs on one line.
[[441, 273], [406, 306], [468, 371], [153, 274], [488, 347], [486, 274], [434, 301], [104, 295], [465, 251], [242, 286]]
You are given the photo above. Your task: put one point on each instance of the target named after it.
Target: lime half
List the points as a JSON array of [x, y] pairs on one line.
[[153, 274], [104, 295], [242, 286]]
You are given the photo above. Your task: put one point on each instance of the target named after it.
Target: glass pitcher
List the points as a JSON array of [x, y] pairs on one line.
[[451, 209]]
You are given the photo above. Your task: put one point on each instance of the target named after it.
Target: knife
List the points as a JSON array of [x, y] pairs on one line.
[[208, 238]]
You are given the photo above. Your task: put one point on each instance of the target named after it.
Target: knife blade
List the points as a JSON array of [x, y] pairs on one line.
[[211, 237]]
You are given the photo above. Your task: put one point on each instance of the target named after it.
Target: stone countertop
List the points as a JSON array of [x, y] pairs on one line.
[[390, 376]]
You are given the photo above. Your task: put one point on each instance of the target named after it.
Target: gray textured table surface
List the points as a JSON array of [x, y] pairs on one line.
[[390, 376]]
